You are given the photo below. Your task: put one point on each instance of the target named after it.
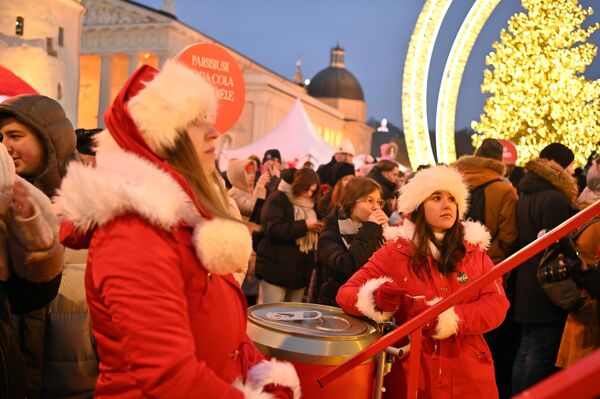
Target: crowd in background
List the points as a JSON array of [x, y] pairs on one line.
[[317, 236]]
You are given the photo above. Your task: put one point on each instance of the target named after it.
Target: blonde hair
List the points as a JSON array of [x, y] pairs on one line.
[[207, 187]]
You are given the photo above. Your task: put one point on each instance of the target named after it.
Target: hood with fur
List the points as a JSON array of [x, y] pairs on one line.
[[475, 234], [479, 170], [553, 175]]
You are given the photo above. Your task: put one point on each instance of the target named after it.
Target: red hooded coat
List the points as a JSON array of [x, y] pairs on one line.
[[456, 367]]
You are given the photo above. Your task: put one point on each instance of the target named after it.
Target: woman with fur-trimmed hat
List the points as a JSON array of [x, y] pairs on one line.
[[429, 257], [168, 317]]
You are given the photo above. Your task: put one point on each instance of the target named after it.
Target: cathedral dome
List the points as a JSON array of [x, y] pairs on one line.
[[336, 81]]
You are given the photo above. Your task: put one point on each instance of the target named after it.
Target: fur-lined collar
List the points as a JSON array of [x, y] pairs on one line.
[[122, 183], [125, 183], [556, 175], [475, 234], [472, 162]]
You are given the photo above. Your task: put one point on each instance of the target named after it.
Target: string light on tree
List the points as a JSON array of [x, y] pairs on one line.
[[539, 93]]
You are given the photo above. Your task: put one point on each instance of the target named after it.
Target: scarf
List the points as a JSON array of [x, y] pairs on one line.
[[303, 210]]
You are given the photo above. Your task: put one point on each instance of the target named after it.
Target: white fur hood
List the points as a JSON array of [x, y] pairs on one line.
[[123, 183], [475, 234]]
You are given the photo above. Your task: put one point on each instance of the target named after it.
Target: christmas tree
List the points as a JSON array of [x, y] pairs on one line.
[[539, 94]]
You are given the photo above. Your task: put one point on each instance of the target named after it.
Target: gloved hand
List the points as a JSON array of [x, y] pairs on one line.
[[388, 297], [279, 391]]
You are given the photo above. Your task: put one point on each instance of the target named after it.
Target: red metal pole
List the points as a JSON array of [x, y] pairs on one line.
[[414, 363], [581, 381], [432, 312]]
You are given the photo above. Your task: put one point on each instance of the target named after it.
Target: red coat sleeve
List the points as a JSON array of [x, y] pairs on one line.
[[373, 269], [137, 275], [489, 310]]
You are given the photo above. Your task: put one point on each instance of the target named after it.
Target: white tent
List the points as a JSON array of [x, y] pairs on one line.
[[294, 137]]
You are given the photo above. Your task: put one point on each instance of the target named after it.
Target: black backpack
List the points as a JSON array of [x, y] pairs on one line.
[[477, 202]]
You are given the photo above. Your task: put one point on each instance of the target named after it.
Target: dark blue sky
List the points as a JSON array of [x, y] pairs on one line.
[[375, 34]]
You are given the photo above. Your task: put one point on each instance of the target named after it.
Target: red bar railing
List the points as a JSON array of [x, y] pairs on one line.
[[580, 381], [413, 326]]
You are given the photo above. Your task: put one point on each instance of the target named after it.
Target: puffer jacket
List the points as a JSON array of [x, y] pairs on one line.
[[341, 252], [34, 258], [242, 192]]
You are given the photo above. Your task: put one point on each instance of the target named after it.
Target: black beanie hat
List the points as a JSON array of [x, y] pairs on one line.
[[558, 153], [490, 148], [339, 170], [271, 154]]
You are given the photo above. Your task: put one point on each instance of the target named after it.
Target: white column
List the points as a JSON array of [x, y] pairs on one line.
[[133, 62], [105, 86]]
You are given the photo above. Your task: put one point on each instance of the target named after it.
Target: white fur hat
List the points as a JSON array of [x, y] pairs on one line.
[[175, 97], [427, 181], [345, 146]]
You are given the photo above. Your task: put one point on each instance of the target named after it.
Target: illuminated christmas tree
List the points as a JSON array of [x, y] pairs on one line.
[[539, 93]]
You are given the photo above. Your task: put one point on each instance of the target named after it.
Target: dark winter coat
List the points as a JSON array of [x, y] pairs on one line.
[[342, 251], [547, 195], [388, 188], [278, 257], [324, 171]]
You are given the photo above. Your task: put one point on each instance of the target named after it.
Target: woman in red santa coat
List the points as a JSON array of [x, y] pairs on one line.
[[430, 256], [168, 317]]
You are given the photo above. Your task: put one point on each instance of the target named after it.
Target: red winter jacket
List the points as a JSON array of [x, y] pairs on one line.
[[457, 367], [165, 326]]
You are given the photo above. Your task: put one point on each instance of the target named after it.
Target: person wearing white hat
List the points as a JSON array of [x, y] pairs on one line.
[[344, 152], [433, 254], [168, 317]]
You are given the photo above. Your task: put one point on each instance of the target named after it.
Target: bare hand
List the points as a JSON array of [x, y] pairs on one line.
[[263, 180], [314, 225], [21, 205], [378, 217]]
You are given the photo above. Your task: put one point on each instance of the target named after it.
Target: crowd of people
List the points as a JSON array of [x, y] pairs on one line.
[[128, 260]]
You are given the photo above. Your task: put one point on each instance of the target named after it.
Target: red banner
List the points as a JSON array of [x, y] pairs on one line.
[[219, 67]]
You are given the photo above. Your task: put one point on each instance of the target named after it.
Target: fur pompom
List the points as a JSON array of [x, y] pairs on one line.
[[447, 324], [275, 372], [223, 246], [365, 301], [175, 97]]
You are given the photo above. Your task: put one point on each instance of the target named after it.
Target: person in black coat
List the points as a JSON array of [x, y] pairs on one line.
[[547, 196], [353, 232], [341, 173], [387, 174], [344, 152], [285, 254]]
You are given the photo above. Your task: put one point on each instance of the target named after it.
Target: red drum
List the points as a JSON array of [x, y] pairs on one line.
[[316, 338]]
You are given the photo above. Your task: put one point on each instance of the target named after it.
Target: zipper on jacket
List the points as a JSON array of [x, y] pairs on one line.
[[497, 287]]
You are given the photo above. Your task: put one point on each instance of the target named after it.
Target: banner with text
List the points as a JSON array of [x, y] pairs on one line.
[[219, 67]]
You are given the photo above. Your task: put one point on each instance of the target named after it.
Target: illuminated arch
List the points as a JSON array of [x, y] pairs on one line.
[[416, 71]]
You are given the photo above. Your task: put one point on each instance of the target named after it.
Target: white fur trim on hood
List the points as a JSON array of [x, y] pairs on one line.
[[275, 372], [427, 181], [175, 97], [475, 234], [365, 300], [124, 183]]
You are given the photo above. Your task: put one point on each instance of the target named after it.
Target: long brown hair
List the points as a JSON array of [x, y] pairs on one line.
[[303, 179], [207, 187], [357, 188], [452, 249]]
